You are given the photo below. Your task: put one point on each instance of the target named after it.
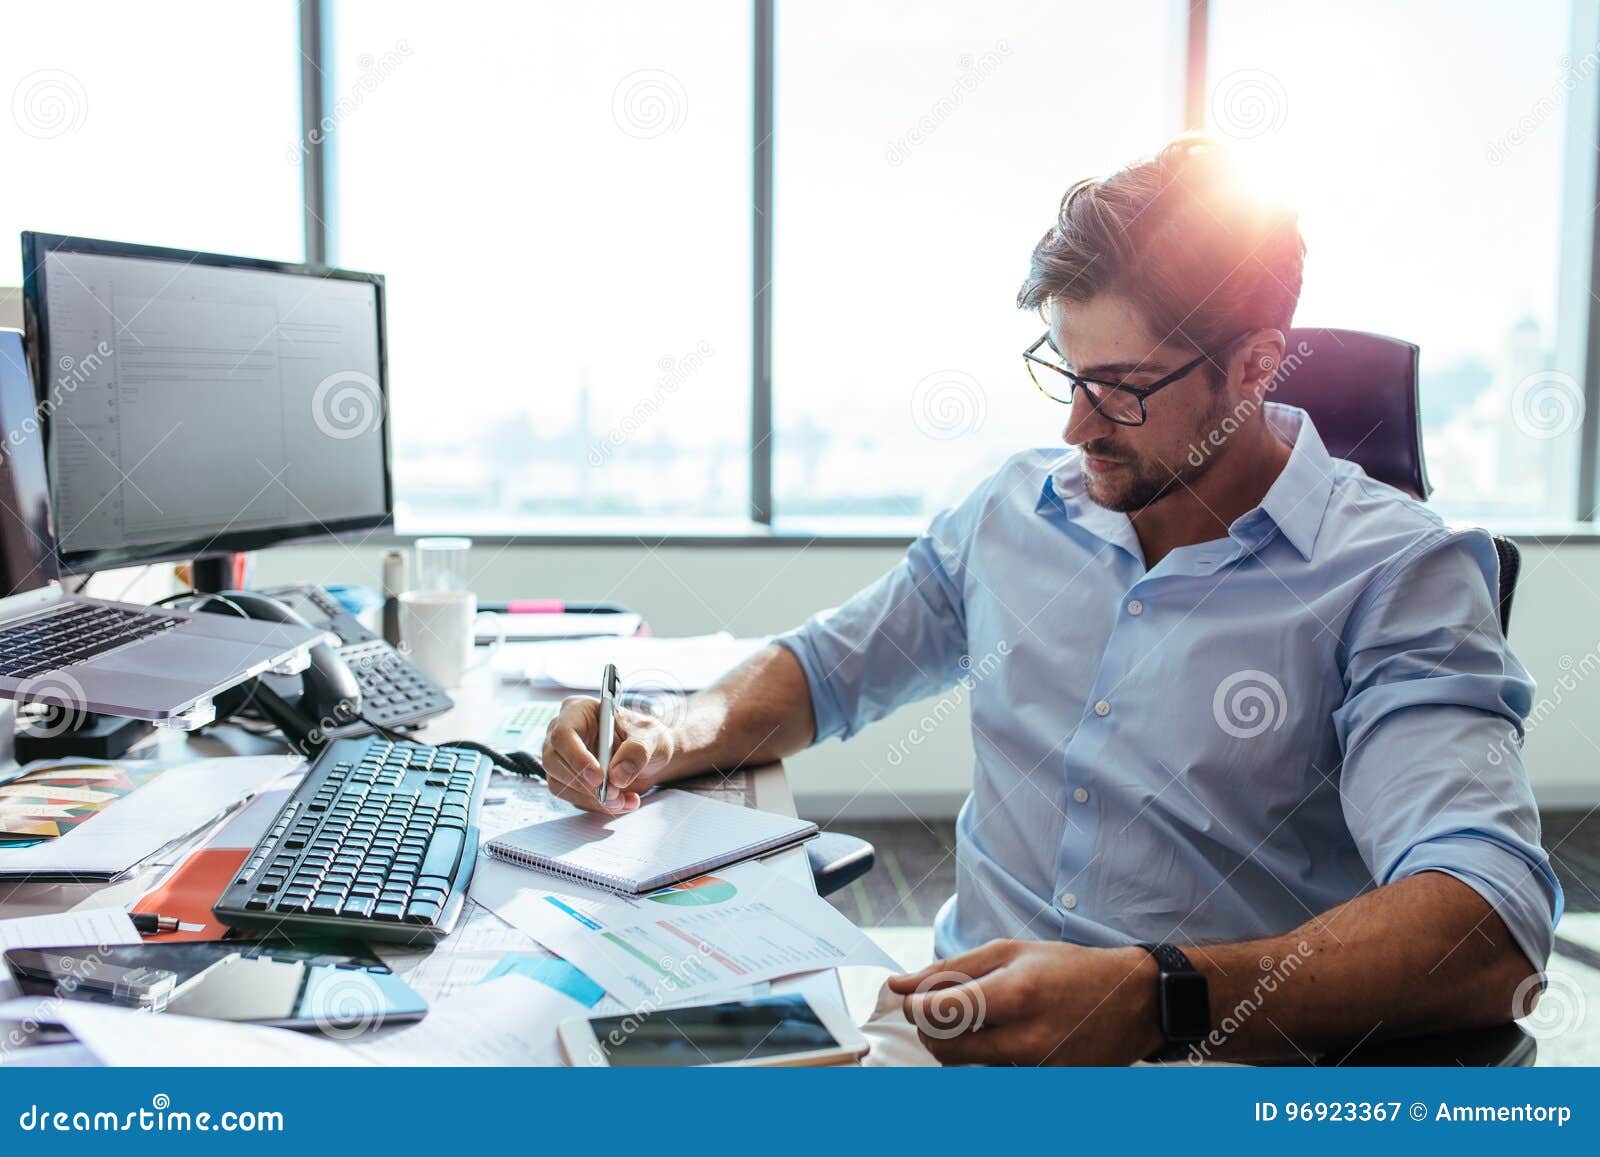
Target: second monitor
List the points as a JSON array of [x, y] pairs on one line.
[[195, 403]]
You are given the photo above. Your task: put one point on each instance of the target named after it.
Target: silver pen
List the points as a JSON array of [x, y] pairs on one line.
[[608, 725]]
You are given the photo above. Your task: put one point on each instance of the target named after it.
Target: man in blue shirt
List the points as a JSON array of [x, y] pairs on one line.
[[1247, 730]]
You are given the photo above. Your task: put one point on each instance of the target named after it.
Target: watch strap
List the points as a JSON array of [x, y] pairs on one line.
[[1171, 961]]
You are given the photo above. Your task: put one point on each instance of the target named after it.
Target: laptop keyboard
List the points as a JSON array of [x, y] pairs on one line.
[[80, 632]]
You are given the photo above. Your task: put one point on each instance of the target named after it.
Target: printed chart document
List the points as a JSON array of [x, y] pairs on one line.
[[509, 1020], [742, 925]]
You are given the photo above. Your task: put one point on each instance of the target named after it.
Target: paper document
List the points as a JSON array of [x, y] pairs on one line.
[[177, 803], [643, 664], [510, 1020], [556, 626], [124, 1036], [741, 925], [96, 926]]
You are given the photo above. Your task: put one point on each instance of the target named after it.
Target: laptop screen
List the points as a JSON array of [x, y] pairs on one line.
[[27, 540]]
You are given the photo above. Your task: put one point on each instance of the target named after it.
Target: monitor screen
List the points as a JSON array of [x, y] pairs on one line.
[[200, 403], [27, 545]]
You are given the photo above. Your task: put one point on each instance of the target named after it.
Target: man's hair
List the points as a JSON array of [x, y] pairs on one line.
[[1201, 256]]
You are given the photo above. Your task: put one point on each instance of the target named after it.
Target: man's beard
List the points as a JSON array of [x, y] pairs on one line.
[[1141, 486]]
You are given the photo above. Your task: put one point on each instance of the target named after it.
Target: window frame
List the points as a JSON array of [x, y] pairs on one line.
[[320, 172]]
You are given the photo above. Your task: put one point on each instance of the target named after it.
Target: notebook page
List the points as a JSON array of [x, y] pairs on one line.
[[671, 831]]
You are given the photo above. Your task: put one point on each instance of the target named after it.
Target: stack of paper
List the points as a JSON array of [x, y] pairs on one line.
[[643, 664], [176, 803], [507, 1021]]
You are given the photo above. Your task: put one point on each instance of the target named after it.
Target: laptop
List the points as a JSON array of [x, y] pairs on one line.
[[83, 654]]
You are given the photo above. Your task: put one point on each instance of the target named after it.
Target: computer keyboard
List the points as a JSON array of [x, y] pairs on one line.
[[378, 843], [82, 631], [523, 727]]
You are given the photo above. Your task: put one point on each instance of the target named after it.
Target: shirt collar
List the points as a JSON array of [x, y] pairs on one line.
[[1294, 504]]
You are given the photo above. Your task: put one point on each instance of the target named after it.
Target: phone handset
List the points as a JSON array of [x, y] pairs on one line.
[[330, 695]]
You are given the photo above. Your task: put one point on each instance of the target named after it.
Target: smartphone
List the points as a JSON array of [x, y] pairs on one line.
[[775, 1030]]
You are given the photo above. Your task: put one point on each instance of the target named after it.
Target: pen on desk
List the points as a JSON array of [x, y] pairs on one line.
[[608, 725], [149, 924]]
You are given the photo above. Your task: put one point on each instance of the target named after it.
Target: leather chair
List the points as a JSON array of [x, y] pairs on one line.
[[838, 859], [1361, 391]]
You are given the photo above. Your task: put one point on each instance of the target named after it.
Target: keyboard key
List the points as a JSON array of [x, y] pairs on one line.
[[327, 904], [422, 913]]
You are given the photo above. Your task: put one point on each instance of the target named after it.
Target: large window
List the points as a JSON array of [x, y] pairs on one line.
[[1424, 145], [559, 196], [922, 149], [172, 124], [747, 267]]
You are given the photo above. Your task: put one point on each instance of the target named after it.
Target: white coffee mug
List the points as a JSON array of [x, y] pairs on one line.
[[438, 629]]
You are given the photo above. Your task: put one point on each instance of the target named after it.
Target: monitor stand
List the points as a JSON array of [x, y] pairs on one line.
[[66, 734]]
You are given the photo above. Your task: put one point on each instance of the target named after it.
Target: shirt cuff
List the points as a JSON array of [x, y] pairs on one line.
[[825, 709], [1522, 892]]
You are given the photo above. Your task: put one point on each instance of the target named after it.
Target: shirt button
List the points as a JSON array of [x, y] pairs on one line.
[[1069, 900], [1102, 708], [1135, 607], [1081, 795]]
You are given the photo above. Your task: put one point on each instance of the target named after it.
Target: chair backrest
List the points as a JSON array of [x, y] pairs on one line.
[[1361, 391]]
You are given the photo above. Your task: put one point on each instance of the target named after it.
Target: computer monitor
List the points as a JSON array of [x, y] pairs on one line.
[[194, 404]]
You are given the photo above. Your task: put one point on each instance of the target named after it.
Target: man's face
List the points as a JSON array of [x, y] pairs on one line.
[[1127, 468]]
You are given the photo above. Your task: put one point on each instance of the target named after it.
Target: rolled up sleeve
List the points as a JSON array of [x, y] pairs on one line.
[[899, 640], [1431, 731]]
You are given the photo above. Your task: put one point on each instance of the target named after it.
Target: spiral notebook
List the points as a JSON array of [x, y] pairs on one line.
[[673, 836]]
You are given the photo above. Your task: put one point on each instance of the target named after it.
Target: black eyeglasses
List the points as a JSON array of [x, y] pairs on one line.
[[1114, 401]]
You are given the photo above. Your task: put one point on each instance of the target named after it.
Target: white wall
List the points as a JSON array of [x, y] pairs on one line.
[[762, 590]]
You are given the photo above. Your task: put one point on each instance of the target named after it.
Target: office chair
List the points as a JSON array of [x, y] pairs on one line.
[[838, 859], [1361, 392]]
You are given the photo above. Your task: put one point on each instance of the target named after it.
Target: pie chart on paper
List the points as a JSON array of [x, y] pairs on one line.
[[699, 892]]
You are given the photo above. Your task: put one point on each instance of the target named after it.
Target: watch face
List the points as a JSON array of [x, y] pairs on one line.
[[1185, 1007]]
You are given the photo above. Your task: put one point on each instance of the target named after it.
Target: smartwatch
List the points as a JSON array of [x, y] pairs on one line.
[[1184, 999]]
